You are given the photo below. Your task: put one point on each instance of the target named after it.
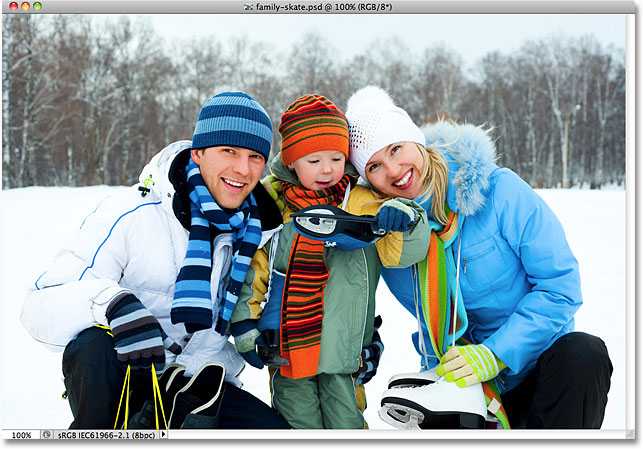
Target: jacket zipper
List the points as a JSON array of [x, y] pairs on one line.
[[361, 361]]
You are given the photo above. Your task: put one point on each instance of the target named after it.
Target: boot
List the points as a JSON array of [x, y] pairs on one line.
[[170, 382], [144, 418], [169, 374], [170, 379], [438, 405], [201, 395]]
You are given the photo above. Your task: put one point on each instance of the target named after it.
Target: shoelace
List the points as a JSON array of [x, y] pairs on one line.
[[156, 390], [457, 281]]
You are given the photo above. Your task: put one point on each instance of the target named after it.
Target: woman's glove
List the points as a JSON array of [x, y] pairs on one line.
[[371, 355], [273, 187], [245, 335], [139, 339], [394, 215], [470, 364]]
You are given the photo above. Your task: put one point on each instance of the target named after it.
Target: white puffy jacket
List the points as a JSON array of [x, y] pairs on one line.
[[132, 244]]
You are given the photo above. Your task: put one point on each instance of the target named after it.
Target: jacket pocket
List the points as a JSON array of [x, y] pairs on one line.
[[484, 266], [486, 270]]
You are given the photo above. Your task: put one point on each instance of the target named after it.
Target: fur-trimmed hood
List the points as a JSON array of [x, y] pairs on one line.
[[471, 157]]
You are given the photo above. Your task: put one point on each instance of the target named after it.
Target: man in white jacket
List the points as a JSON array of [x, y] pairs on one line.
[[152, 274]]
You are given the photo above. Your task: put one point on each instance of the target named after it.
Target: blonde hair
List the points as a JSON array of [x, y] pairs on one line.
[[435, 176]]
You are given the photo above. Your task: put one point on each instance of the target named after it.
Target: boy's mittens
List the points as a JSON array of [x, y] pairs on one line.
[[371, 355], [274, 188], [394, 215], [139, 339], [469, 365], [245, 335]]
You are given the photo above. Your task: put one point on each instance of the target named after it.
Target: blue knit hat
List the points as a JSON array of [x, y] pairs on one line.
[[234, 119]]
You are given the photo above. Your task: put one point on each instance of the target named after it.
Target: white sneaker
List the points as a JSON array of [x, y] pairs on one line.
[[414, 379], [438, 405]]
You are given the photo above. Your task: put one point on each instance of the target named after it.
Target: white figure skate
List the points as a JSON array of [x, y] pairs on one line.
[[437, 405], [413, 379]]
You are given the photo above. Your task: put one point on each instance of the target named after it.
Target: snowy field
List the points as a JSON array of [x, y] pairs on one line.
[[36, 221]]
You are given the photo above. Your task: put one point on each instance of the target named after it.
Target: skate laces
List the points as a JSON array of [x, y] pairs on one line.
[[457, 282], [421, 341], [156, 394]]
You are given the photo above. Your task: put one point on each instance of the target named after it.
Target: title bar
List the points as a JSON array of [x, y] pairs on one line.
[[315, 7]]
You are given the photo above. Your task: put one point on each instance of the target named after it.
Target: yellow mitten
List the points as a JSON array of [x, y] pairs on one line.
[[273, 187]]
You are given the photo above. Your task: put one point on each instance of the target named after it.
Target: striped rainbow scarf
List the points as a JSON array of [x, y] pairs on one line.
[[302, 306], [437, 275], [192, 303]]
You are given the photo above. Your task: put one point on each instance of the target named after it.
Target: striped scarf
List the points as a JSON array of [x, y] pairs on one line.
[[192, 303], [302, 307], [438, 284]]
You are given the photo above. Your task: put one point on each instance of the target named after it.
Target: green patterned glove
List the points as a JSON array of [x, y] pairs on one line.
[[470, 364], [273, 187]]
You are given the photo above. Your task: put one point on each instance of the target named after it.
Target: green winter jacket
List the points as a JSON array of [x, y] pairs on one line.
[[349, 295]]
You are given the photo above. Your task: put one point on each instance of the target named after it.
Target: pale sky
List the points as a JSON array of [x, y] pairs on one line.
[[471, 35]]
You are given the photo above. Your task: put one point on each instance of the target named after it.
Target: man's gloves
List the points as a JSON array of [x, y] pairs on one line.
[[139, 339], [245, 335], [274, 188], [371, 355], [470, 364], [394, 215]]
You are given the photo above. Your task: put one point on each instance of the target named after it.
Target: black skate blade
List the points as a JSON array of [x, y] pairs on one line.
[[325, 220], [332, 213], [405, 383], [434, 419]]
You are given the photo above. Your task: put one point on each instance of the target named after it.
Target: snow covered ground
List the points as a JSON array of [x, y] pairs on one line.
[[36, 220]]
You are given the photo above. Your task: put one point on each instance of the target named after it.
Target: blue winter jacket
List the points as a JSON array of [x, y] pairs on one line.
[[520, 281]]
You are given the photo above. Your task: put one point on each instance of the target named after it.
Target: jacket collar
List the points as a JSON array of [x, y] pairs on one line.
[[167, 169]]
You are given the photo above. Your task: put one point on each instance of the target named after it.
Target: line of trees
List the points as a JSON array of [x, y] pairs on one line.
[[88, 102]]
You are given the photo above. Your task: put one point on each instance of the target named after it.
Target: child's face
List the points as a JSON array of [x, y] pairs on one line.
[[320, 170]]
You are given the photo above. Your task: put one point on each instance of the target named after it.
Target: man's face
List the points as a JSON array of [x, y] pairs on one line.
[[229, 173]]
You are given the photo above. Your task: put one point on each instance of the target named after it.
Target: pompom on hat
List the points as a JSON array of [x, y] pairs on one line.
[[310, 124], [233, 119], [374, 122]]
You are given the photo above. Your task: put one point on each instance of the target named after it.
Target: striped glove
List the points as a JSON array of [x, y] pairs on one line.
[[139, 339], [394, 215], [469, 364], [371, 355]]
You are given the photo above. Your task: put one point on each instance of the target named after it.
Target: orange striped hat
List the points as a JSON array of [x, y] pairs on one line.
[[312, 123]]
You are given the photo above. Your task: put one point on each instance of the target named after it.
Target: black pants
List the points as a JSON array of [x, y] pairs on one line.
[[566, 390], [94, 381]]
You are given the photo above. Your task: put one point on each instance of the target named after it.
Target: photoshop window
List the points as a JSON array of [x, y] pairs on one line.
[[93, 90]]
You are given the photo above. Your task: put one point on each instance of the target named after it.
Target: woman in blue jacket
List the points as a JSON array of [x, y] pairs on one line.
[[499, 253]]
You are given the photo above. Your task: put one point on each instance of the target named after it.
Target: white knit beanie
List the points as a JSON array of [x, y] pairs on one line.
[[374, 122]]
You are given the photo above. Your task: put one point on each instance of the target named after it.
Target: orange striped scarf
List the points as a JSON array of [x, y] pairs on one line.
[[302, 306]]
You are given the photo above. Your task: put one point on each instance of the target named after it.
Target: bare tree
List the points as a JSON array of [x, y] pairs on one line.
[[309, 66], [90, 100]]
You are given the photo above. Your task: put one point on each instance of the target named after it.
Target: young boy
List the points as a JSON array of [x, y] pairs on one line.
[[327, 294]]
